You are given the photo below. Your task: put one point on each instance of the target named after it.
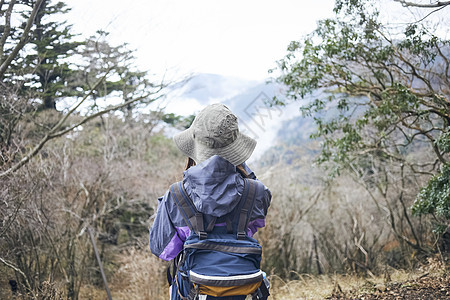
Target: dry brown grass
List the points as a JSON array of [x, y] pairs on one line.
[[321, 287], [317, 287], [141, 276]]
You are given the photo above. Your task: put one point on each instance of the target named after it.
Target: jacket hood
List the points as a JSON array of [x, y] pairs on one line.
[[214, 186]]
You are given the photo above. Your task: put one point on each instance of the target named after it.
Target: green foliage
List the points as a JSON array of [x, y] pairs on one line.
[[381, 104], [161, 146], [177, 120], [434, 198], [53, 68], [56, 65], [100, 57], [443, 142], [366, 77], [46, 69]]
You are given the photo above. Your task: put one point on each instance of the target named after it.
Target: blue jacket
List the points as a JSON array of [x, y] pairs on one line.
[[215, 187]]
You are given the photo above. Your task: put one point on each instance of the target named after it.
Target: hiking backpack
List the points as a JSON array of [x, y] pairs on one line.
[[220, 260]]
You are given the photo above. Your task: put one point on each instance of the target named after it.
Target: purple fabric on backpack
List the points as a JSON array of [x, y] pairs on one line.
[[215, 187]]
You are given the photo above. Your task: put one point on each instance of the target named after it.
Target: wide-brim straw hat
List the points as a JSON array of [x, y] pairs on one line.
[[215, 131]]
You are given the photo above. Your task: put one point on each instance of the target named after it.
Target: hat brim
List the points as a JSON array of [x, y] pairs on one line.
[[236, 153]]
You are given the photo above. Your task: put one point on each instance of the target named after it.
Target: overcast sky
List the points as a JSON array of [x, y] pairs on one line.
[[241, 38], [177, 38]]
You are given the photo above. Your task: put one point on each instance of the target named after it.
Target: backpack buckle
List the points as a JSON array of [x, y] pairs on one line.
[[241, 235], [203, 235], [262, 293]]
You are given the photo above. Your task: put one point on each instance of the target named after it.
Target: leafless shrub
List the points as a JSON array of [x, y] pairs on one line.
[[358, 222], [106, 176]]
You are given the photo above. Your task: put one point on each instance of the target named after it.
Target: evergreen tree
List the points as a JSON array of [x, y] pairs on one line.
[[44, 70], [54, 45], [41, 63]]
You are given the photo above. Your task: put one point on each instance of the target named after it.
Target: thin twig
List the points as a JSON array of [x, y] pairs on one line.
[[436, 10], [54, 133], [431, 5], [10, 265], [23, 39], [7, 27]]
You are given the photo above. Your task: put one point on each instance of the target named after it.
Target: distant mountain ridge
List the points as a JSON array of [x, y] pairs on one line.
[[250, 102]]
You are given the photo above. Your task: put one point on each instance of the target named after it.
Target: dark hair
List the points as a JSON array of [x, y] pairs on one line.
[[242, 171], [190, 163]]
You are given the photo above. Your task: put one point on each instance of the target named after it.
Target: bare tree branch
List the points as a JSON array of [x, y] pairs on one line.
[[431, 5], [7, 28], [23, 39], [54, 133], [429, 14], [47, 137], [90, 117], [73, 109], [10, 265], [15, 213], [1, 5]]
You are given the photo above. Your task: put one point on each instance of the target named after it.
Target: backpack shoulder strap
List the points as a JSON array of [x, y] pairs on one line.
[[251, 186], [192, 217]]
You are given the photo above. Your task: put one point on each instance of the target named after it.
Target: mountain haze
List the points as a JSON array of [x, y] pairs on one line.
[[250, 102]]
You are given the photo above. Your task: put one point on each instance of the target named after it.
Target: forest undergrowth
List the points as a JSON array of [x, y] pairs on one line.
[[428, 281], [360, 211], [142, 276]]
